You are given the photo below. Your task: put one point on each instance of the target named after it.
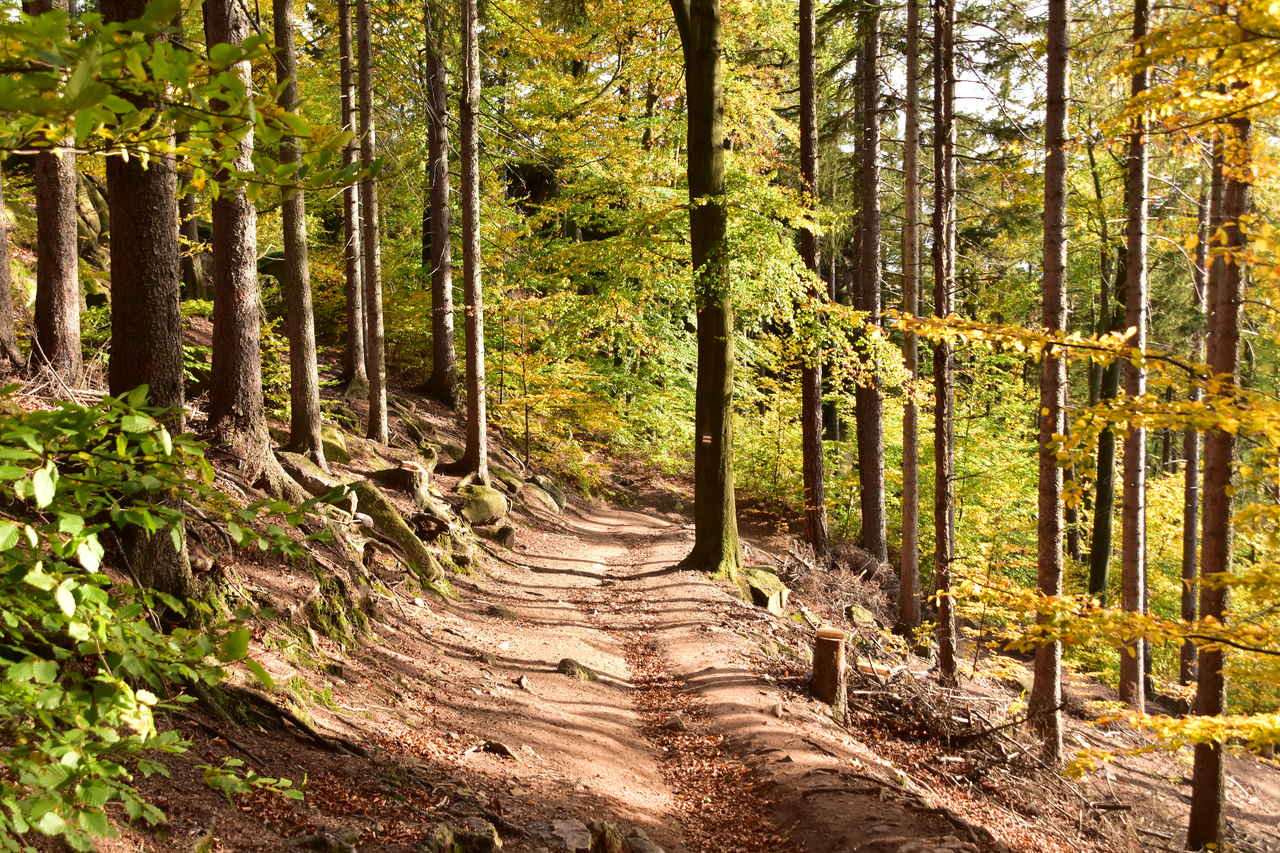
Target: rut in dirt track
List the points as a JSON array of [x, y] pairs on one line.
[[717, 805]]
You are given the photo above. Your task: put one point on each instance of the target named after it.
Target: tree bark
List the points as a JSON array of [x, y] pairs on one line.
[[909, 570], [1133, 548], [1046, 691], [715, 547], [236, 416], [815, 499], [1104, 500], [146, 323], [354, 370], [869, 402], [375, 342], [476, 456], [10, 357], [443, 383], [1191, 436], [944, 246], [1226, 294], [304, 373], [55, 346]]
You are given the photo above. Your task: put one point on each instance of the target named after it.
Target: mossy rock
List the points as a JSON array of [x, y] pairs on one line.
[[861, 616], [505, 477], [390, 523], [606, 838], [484, 504], [308, 474], [334, 442], [551, 487], [452, 451], [765, 589], [534, 496], [573, 669]]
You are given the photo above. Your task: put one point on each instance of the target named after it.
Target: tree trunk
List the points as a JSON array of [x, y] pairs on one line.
[[869, 402], [443, 383], [10, 357], [236, 416], [815, 499], [476, 457], [1191, 436], [1046, 691], [944, 264], [375, 342], [715, 547], [354, 370], [1226, 294], [1133, 548], [304, 374], [1104, 499], [146, 323], [55, 346], [909, 571]]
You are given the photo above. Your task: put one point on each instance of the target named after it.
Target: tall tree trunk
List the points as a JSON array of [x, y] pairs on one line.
[[715, 547], [55, 345], [146, 324], [944, 265], [869, 402], [815, 499], [236, 415], [354, 369], [10, 357], [1191, 436], [443, 383], [194, 285], [476, 456], [1226, 295], [304, 373], [1133, 548], [909, 571], [1046, 691], [1104, 499], [375, 342]]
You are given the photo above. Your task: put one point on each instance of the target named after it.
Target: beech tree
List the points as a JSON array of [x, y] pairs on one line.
[[944, 262], [869, 409], [10, 356], [304, 373], [443, 382], [55, 344], [236, 416], [375, 341], [815, 499], [354, 370], [1134, 511], [146, 325], [1045, 701], [715, 547]]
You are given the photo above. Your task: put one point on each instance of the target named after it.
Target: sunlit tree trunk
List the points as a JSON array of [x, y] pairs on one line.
[[304, 374], [375, 342], [1191, 436], [909, 571], [10, 357], [815, 500], [476, 457], [944, 246], [443, 382], [1104, 499], [869, 409], [1046, 691], [354, 369], [1226, 294], [55, 346], [236, 415], [146, 324], [716, 547], [1133, 548]]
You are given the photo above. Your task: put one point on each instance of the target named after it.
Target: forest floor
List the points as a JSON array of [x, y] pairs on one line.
[[693, 727]]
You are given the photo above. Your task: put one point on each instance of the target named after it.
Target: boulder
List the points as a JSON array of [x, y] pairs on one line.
[[766, 590], [637, 842], [452, 451], [536, 497], [573, 669], [323, 842], [606, 838], [860, 616], [476, 835], [505, 477], [308, 474], [334, 442], [551, 487], [484, 505], [570, 836]]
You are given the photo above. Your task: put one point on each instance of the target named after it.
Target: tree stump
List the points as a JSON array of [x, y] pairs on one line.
[[827, 684]]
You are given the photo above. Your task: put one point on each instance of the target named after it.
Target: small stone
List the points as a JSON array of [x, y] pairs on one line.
[[676, 723], [501, 612], [573, 669], [324, 842], [477, 835], [572, 836], [439, 839], [523, 683], [778, 710], [637, 842]]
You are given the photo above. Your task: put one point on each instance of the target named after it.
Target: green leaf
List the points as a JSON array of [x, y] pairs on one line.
[[137, 423], [89, 553], [37, 578], [66, 601], [43, 484], [234, 645], [264, 677], [70, 524], [44, 671], [8, 535]]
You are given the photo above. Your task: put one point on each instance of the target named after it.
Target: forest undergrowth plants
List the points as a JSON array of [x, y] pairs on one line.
[[88, 658]]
